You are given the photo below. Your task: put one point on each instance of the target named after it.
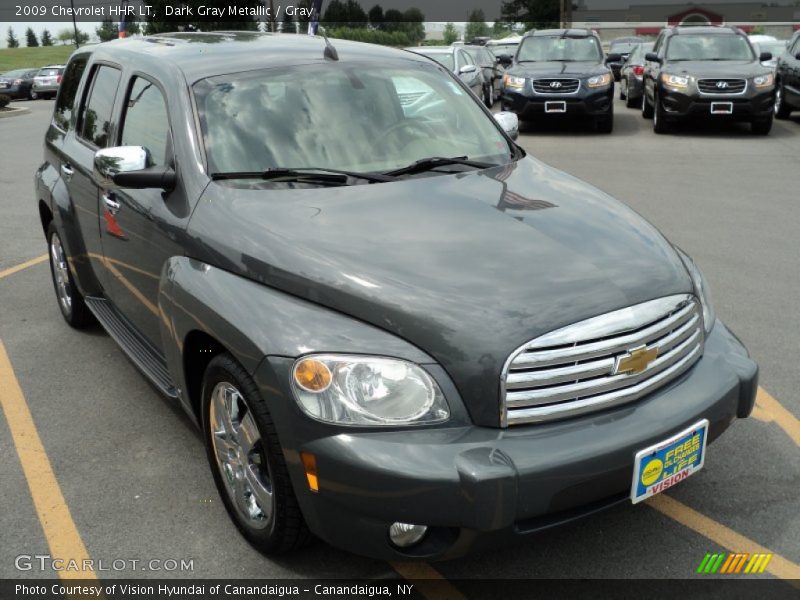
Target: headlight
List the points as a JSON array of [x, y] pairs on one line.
[[763, 81], [674, 80], [701, 290], [367, 390], [513, 82], [599, 80]]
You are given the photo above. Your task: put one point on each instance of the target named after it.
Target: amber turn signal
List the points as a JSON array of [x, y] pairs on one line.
[[312, 375], [310, 467]]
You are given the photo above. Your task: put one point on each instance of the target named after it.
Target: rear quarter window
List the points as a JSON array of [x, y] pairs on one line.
[[95, 121], [62, 116]]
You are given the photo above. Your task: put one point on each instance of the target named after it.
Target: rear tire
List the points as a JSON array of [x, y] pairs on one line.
[[33, 95], [623, 89], [70, 300], [647, 108], [761, 126], [782, 110], [630, 102], [487, 96], [247, 461]]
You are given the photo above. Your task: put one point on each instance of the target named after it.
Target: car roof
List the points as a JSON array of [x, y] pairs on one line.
[[200, 55], [705, 29], [565, 32], [437, 49]]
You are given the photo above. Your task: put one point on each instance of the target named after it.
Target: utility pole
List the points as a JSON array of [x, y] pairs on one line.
[[74, 24]]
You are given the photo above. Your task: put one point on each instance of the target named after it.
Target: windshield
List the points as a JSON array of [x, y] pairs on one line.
[[478, 55], [623, 47], [443, 58], [354, 117], [709, 47], [547, 48], [775, 48], [500, 49]]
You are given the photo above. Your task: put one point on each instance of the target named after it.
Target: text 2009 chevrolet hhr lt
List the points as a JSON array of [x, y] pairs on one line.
[[396, 330]]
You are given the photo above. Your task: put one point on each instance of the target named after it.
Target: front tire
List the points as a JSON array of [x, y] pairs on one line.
[[70, 300], [488, 100], [660, 124], [33, 95], [782, 110], [647, 108], [247, 461]]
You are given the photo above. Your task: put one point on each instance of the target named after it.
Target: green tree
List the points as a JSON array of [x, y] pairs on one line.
[[413, 25], [47, 39], [476, 25], [375, 16], [132, 26], [392, 20], [450, 34], [30, 38], [535, 14], [158, 23], [501, 29], [11, 39], [345, 13], [287, 23], [67, 36], [107, 31]]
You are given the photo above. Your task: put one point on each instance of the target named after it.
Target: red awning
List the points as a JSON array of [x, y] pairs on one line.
[[746, 28], [648, 30]]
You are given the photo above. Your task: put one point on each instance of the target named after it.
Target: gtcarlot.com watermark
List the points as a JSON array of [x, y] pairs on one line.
[[46, 563]]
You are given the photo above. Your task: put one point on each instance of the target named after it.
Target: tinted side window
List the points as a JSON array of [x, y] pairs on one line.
[[69, 88], [146, 122], [96, 115]]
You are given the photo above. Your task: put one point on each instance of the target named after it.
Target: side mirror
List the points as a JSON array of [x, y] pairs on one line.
[[509, 122], [127, 167], [467, 69], [614, 57], [652, 57], [765, 56]]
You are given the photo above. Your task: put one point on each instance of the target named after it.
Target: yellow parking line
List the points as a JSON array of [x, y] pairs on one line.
[[768, 409], [428, 581], [25, 265], [59, 529], [719, 534]]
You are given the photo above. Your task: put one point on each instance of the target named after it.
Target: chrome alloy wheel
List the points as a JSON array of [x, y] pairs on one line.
[[240, 457], [778, 100], [61, 274]]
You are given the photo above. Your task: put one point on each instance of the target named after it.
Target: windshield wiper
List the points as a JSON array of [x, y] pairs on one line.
[[433, 162], [303, 174]]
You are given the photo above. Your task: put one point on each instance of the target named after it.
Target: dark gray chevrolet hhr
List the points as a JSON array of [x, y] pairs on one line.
[[396, 330]]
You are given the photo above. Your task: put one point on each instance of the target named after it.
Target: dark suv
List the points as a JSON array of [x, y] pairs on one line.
[[707, 72], [787, 79], [561, 72], [394, 328]]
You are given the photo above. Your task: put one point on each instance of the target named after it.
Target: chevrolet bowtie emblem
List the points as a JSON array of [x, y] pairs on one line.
[[635, 361]]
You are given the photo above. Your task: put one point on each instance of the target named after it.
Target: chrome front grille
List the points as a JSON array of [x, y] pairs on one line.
[[722, 86], [556, 86], [583, 367]]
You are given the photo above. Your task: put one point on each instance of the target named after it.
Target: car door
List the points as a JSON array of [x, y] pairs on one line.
[[81, 137], [792, 74], [148, 222]]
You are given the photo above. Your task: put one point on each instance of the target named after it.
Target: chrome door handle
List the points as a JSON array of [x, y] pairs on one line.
[[112, 206], [67, 171]]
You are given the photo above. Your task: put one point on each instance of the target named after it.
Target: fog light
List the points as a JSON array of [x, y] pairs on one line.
[[404, 535]]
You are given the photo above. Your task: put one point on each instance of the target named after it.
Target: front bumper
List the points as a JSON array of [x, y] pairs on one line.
[[586, 102], [753, 104], [475, 485]]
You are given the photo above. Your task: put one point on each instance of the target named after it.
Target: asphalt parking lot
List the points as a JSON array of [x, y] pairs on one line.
[[133, 473]]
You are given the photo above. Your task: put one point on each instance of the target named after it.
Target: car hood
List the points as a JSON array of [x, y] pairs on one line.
[[551, 69], [467, 267], [716, 68]]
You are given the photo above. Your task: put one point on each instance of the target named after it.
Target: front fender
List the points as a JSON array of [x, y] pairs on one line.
[[252, 321]]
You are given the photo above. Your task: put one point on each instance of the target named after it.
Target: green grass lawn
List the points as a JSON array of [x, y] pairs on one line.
[[20, 58]]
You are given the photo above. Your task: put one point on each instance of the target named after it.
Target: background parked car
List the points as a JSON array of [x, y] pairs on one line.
[[46, 81], [504, 49], [631, 74], [17, 84], [774, 47], [787, 80], [458, 61], [622, 47], [492, 72]]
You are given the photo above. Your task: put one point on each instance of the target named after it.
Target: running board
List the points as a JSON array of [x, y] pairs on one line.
[[141, 353]]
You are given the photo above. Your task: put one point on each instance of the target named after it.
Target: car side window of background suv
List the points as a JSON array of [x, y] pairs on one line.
[[95, 122], [62, 116]]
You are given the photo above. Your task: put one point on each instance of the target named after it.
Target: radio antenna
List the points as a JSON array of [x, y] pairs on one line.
[[330, 51]]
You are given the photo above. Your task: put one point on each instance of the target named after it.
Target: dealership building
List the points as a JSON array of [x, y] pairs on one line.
[[648, 19]]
